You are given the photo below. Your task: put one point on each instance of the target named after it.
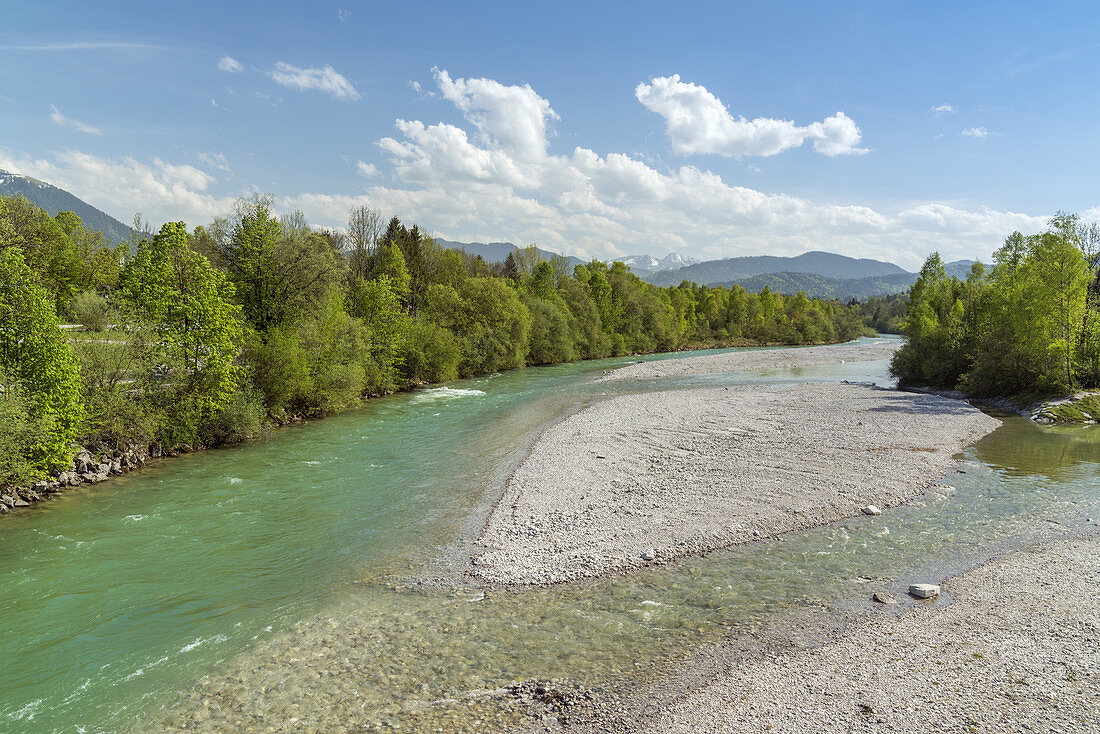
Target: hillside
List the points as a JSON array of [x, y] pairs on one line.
[[841, 289], [496, 252], [824, 264], [55, 200]]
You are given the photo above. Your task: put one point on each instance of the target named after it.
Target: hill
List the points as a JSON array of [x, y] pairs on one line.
[[497, 252], [842, 289], [55, 200], [827, 264]]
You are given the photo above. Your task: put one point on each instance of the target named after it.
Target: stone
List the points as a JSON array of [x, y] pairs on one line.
[[101, 477], [871, 510], [883, 598], [649, 555], [41, 486], [20, 502], [116, 467], [924, 591], [8, 500]]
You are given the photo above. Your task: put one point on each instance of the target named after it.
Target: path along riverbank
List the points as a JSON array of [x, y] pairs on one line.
[[651, 477]]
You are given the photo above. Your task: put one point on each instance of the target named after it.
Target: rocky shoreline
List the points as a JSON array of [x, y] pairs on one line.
[[86, 468]]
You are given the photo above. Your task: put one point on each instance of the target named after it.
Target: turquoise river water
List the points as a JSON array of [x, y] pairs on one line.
[[266, 586]]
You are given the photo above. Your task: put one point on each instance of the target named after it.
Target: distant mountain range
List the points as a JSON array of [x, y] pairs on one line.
[[842, 289], [732, 269], [55, 200], [642, 264], [497, 252]]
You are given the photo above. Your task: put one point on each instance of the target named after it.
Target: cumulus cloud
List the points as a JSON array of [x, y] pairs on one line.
[[60, 119], [943, 109], [975, 132], [230, 64], [322, 78], [161, 191], [496, 178], [696, 121], [366, 170]]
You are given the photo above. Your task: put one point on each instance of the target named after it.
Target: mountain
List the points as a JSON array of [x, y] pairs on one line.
[[55, 200], [642, 264], [827, 264], [497, 252], [842, 289]]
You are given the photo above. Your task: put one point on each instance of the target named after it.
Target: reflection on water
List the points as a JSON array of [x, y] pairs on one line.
[[261, 585]]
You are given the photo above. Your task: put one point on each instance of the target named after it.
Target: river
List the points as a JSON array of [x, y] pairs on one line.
[[267, 585]]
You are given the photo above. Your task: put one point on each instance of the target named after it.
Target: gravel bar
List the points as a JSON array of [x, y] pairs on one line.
[[647, 478], [756, 359], [1011, 648]]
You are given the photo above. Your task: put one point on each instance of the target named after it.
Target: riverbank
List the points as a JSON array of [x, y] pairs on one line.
[[90, 466], [1010, 647], [648, 478], [1080, 408]]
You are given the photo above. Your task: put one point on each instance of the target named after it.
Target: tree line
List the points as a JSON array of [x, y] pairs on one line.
[[1029, 324], [203, 336]]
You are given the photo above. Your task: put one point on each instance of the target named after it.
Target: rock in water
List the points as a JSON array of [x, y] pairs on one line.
[[883, 598], [871, 510], [924, 591]]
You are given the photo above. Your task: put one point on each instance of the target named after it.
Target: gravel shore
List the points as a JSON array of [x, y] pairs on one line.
[[651, 477], [1012, 647], [758, 359]]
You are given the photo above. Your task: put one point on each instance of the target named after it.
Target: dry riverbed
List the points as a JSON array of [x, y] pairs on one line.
[[651, 477], [757, 359]]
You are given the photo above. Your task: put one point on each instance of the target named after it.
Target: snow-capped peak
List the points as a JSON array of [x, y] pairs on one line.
[[650, 264]]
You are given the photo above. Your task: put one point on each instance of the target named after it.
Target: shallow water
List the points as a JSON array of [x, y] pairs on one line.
[[262, 585]]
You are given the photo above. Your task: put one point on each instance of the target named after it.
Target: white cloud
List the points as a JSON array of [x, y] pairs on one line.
[[121, 187], [322, 78], [343, 15], [215, 160], [495, 178], [943, 109], [60, 119], [215, 103], [975, 132], [366, 170], [230, 64], [697, 122]]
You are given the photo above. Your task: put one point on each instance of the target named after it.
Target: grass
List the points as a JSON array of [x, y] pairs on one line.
[[1078, 411]]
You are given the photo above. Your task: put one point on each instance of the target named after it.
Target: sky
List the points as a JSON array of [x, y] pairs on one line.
[[871, 129]]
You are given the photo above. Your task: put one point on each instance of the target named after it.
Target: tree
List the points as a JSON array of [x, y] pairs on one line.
[[197, 326], [279, 273], [40, 376]]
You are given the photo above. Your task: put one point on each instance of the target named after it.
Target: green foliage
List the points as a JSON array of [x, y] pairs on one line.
[[90, 309], [1026, 325], [40, 374], [198, 334], [18, 438]]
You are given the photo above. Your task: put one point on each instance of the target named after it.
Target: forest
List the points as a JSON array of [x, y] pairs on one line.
[[1029, 325], [206, 336]]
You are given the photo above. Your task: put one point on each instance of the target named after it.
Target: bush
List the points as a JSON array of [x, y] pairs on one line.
[[90, 309], [242, 418]]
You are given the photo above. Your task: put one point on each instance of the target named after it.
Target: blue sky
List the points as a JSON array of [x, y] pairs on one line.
[[866, 128]]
